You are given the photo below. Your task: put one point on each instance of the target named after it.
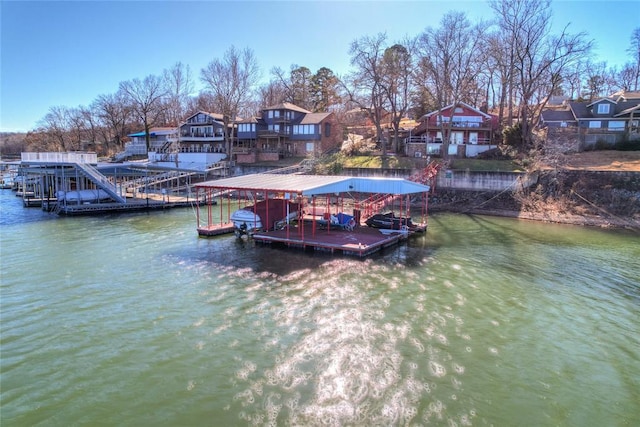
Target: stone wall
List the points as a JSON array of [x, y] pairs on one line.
[[478, 181]]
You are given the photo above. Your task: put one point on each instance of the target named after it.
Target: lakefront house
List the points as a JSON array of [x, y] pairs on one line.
[[197, 143], [605, 120], [282, 130], [468, 130], [286, 130]]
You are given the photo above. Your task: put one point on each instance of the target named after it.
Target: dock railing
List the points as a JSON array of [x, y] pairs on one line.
[[101, 181], [53, 157]]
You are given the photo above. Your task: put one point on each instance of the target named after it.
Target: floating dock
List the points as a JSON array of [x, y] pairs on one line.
[[361, 241], [74, 184], [216, 229], [320, 198]]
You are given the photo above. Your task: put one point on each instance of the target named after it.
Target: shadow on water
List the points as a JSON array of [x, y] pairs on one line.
[[230, 252]]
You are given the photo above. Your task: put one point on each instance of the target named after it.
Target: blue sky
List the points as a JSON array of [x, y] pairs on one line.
[[70, 52]]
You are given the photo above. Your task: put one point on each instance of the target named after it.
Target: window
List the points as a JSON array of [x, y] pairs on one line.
[[458, 110], [603, 109], [594, 124], [304, 129], [616, 126], [246, 127], [327, 129], [270, 114]]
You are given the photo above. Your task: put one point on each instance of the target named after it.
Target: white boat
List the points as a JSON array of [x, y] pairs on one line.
[[8, 173], [6, 181], [264, 215], [246, 221]]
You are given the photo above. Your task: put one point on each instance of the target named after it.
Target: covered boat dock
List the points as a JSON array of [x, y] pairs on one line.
[[322, 199]]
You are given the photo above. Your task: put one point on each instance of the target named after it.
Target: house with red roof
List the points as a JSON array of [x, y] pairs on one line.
[[468, 130]]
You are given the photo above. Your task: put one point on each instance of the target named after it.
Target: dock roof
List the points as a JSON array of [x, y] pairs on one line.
[[312, 185]]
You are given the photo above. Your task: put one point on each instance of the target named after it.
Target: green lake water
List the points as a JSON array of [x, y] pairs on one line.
[[132, 320]]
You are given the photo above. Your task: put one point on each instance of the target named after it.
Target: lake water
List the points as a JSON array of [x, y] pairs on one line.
[[132, 320]]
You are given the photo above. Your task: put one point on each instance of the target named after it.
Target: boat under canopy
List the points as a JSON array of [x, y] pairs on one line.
[[264, 215], [320, 201]]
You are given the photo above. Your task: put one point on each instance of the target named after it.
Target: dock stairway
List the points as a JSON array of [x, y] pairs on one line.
[[101, 181], [376, 203], [303, 167], [427, 175]]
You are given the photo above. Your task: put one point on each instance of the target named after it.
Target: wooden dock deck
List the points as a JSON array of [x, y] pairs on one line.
[[216, 229], [361, 241]]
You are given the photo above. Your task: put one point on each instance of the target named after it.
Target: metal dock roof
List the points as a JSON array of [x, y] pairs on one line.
[[311, 185]]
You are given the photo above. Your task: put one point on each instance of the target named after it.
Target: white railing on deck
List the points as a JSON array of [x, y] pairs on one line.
[[53, 157]]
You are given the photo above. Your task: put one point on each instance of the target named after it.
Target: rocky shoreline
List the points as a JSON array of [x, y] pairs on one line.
[[558, 218], [595, 199]]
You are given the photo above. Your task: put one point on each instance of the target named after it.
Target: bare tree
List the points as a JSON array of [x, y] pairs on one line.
[[230, 81], [114, 114], [364, 86], [539, 58], [146, 98], [202, 102], [450, 60], [572, 79], [79, 127], [634, 51], [596, 79], [92, 127], [271, 93], [500, 56], [56, 125], [179, 86], [38, 140], [626, 77], [397, 64]]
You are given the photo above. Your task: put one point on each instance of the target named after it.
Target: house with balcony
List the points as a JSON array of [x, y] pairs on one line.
[[197, 143], [202, 132], [285, 130], [606, 120], [158, 138], [468, 130]]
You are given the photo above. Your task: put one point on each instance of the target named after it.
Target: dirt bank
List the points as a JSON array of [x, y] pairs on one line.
[[591, 198], [603, 160]]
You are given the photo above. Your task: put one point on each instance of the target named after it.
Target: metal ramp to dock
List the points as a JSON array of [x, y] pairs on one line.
[[146, 181], [301, 168], [101, 181]]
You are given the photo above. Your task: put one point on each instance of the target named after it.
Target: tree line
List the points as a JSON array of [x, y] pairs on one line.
[[510, 65]]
